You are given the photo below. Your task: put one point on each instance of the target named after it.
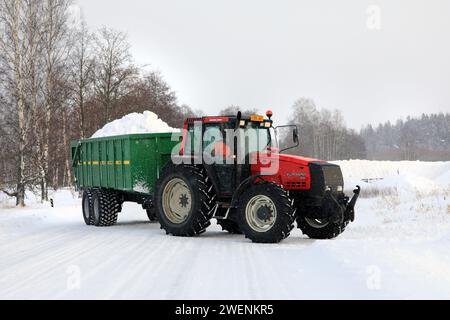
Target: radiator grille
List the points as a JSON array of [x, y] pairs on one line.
[[296, 185], [325, 175], [332, 176]]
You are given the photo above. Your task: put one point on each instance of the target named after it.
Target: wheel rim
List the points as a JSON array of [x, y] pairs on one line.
[[86, 207], [261, 213], [317, 223], [96, 205], [177, 201]]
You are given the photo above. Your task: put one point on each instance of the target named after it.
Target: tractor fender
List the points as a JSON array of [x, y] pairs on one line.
[[241, 189]]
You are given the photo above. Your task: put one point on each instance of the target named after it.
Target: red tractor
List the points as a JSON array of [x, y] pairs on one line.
[[234, 170]]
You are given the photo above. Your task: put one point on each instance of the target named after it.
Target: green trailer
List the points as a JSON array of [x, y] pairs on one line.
[[119, 169]]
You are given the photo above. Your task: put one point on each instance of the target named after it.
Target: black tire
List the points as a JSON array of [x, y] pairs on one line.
[[283, 220], [152, 216], [87, 206], [203, 200], [320, 230], [106, 207], [229, 226]]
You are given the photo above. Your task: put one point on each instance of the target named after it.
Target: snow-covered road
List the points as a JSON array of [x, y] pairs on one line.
[[50, 253], [398, 248]]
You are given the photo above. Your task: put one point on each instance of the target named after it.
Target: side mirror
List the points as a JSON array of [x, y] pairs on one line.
[[286, 137], [296, 137]]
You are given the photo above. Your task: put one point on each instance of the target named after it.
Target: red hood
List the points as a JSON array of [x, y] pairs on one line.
[[302, 161], [290, 171], [297, 159]]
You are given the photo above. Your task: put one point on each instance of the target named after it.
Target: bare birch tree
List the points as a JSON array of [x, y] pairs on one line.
[[114, 69], [55, 46], [81, 73], [19, 54]]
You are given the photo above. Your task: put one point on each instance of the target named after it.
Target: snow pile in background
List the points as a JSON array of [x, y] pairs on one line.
[[363, 169], [135, 123], [405, 177]]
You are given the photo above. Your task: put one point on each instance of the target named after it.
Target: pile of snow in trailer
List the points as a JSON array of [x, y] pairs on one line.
[[135, 123]]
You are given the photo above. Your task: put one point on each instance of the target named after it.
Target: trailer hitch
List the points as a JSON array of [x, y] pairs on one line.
[[350, 211]]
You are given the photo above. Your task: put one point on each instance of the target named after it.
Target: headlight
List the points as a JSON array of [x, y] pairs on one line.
[[336, 189]]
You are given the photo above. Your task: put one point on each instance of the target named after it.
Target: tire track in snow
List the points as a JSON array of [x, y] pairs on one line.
[[49, 265], [58, 253], [145, 269]]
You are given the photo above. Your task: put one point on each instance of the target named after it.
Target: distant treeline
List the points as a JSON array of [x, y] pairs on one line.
[[426, 138], [325, 136]]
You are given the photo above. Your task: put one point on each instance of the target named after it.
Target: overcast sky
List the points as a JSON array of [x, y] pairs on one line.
[[374, 60]]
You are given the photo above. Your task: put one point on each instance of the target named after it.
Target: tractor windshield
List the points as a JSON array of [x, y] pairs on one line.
[[254, 138]]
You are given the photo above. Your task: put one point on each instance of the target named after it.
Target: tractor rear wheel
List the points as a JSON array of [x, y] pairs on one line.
[[106, 207], [87, 206], [320, 229], [184, 200], [266, 214]]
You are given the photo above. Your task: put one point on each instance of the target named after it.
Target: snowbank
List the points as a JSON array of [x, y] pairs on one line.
[[135, 123], [403, 176]]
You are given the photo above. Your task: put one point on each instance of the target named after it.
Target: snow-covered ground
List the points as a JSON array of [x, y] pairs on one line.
[[398, 248]]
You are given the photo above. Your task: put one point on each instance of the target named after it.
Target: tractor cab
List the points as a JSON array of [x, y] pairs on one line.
[[230, 146]]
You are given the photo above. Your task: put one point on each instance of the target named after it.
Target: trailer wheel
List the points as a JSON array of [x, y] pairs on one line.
[[87, 206], [266, 214], [320, 229], [106, 207], [229, 225], [184, 200]]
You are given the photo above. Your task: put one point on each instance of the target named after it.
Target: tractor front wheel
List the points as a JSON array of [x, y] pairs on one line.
[[266, 214], [320, 229]]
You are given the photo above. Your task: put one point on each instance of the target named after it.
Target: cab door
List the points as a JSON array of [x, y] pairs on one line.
[[219, 157]]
